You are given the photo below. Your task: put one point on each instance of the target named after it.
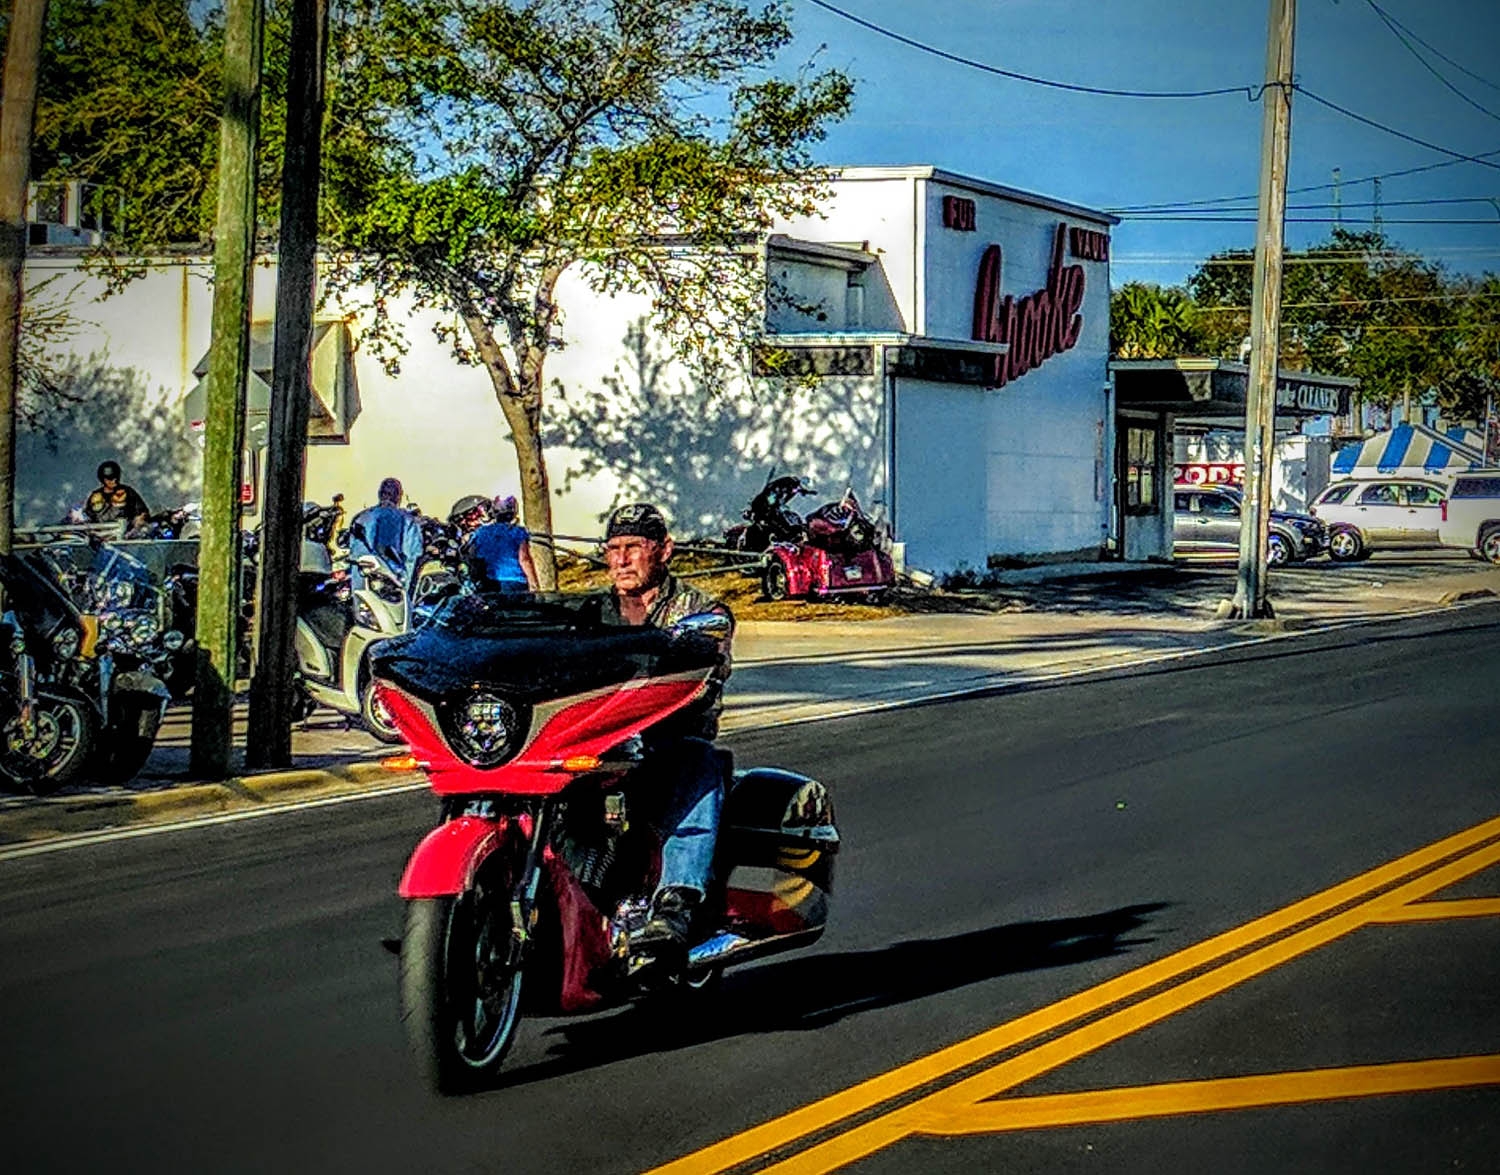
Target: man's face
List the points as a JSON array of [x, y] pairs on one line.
[[636, 564], [109, 481]]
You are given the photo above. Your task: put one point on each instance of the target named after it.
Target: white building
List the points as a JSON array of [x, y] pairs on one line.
[[959, 346]]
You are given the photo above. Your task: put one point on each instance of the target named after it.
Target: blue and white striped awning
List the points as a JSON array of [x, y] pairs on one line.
[[1412, 448]]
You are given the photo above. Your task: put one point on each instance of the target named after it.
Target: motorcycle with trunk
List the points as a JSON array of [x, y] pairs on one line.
[[527, 717]]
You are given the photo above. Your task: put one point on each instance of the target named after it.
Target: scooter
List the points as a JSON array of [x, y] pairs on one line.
[[526, 716], [336, 626]]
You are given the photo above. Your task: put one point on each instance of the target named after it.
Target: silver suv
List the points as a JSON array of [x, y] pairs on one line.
[[1377, 515], [1471, 515], [1206, 521]]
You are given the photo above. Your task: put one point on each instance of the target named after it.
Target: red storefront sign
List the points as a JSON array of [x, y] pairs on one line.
[[1209, 473], [1037, 325]]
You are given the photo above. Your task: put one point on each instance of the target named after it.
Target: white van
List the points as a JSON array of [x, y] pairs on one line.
[[1471, 515]]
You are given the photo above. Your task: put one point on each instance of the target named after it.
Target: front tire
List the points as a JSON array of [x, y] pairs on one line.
[[374, 716], [1489, 544], [1345, 545], [775, 583], [1278, 550], [65, 733], [460, 1003]]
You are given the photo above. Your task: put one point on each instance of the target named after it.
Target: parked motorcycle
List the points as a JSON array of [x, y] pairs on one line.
[[525, 715], [769, 518], [336, 625], [106, 698], [842, 551], [46, 736]]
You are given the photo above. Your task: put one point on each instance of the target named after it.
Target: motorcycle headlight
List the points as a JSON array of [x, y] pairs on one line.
[[172, 640], [65, 643], [143, 629], [484, 729]]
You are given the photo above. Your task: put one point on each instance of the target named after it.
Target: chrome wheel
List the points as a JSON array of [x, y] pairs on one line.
[[1489, 544], [1278, 550], [1345, 545]]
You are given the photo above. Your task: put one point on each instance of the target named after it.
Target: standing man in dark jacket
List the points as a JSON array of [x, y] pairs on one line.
[[682, 769]]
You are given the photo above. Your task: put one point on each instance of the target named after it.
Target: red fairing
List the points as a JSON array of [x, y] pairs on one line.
[[589, 726], [444, 862]]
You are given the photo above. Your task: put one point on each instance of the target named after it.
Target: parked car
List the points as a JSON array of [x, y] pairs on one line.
[[1388, 514], [1206, 521], [1471, 515]]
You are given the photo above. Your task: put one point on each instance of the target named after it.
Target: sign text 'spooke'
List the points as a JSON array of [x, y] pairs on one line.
[[1037, 325]]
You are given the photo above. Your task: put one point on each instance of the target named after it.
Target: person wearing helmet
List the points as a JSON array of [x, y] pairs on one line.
[[114, 501], [388, 532], [499, 552]]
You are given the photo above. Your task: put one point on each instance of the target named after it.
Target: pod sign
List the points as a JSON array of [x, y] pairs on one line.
[[1038, 325]]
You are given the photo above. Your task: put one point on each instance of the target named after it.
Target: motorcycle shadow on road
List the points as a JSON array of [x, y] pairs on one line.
[[811, 992]]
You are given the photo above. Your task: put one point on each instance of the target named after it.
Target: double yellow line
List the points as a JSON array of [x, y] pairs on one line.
[[1186, 978]]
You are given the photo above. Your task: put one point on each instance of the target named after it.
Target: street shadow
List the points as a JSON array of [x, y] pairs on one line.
[[711, 448], [809, 992]]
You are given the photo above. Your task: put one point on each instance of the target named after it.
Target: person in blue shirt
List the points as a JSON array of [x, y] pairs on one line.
[[388, 532], [499, 553]]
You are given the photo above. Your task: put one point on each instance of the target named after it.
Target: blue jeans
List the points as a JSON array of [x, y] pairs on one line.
[[686, 800]]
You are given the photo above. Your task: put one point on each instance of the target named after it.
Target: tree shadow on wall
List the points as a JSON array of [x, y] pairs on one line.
[[97, 412], [702, 452]]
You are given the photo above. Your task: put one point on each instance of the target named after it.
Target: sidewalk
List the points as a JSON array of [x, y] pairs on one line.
[[1040, 624]]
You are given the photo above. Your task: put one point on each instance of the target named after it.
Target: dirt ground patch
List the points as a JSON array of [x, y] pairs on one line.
[[738, 585]]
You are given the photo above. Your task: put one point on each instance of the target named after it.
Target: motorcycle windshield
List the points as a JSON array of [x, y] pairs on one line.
[[533, 650]]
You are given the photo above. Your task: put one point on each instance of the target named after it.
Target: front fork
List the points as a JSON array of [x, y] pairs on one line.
[[523, 907]]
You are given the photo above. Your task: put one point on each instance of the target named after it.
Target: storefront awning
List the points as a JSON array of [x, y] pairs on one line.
[[334, 402], [1218, 388], [1410, 448]]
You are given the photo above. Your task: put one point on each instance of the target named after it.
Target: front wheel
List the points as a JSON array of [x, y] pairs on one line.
[[460, 998], [1278, 550], [775, 583], [54, 749], [1489, 544], [375, 717], [1345, 545]]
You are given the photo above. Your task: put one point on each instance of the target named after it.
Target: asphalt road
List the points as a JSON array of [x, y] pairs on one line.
[[218, 999]]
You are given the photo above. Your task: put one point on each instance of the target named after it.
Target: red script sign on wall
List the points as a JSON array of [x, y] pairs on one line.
[[1037, 325]]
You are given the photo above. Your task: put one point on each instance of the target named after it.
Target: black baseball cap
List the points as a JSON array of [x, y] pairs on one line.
[[638, 518]]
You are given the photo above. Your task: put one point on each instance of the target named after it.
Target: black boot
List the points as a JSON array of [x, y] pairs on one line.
[[663, 942]]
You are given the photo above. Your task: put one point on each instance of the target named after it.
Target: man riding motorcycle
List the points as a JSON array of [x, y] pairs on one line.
[[681, 775]]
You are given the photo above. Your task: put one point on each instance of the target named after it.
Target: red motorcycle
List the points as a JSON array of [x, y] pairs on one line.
[[526, 716], [844, 553]]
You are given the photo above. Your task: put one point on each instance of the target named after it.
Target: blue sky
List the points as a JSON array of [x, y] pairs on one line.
[[1109, 152]]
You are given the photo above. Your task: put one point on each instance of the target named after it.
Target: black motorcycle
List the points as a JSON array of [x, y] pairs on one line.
[[93, 621], [46, 734], [769, 518]]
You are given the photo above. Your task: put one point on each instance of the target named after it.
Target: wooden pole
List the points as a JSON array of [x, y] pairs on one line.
[[1250, 598], [271, 688], [228, 365], [23, 51]]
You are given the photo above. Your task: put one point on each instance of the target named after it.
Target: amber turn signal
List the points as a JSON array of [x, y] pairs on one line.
[[577, 763], [401, 763]]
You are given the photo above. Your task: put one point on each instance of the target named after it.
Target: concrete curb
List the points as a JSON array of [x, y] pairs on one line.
[[77, 817], [69, 815]]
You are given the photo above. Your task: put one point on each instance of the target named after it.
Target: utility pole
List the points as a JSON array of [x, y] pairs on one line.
[[1338, 197], [23, 52], [224, 424], [1378, 219], [270, 735], [1265, 315]]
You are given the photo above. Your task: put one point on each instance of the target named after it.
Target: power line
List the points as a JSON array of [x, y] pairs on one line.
[[1397, 32], [1356, 303], [1493, 200], [1218, 218], [1458, 156], [1435, 50], [1251, 93]]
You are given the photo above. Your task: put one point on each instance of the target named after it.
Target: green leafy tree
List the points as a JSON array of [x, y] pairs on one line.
[[1148, 322], [1356, 305], [500, 144]]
